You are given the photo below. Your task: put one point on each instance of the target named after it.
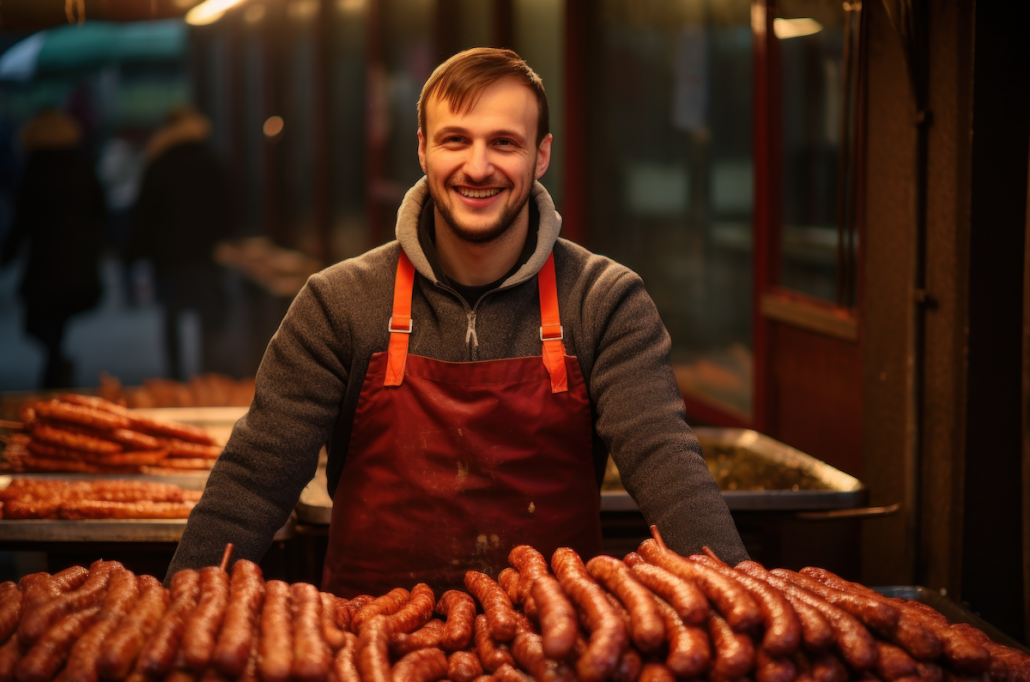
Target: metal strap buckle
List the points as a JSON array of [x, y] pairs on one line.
[[560, 337], [400, 331]]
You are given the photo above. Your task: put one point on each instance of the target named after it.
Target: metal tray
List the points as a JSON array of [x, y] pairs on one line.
[[109, 530], [840, 490], [955, 613]]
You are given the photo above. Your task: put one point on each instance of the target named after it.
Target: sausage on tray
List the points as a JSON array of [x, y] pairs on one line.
[[734, 653], [492, 654], [647, 630], [158, 653], [81, 414], [463, 666], [527, 649], [84, 656], [683, 595], [125, 643], [496, 605], [424, 665], [428, 636], [311, 656], [416, 612], [198, 639], [608, 636], [239, 628], [331, 632], [689, 648], [558, 623], [37, 621], [275, 643], [389, 603], [343, 662], [460, 611], [373, 657], [48, 654]]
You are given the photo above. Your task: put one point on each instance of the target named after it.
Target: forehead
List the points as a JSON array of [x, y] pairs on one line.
[[506, 104]]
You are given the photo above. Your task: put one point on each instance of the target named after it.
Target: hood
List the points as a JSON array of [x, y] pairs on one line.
[[50, 129], [187, 126], [411, 210]]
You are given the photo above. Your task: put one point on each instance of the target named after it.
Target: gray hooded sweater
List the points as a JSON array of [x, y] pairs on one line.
[[313, 370]]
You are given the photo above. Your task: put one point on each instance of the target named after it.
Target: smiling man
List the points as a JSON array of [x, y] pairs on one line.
[[468, 379]]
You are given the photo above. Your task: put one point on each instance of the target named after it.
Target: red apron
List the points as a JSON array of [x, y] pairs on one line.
[[451, 464]]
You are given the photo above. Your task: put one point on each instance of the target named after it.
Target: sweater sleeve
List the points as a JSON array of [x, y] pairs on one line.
[[641, 418], [273, 450]]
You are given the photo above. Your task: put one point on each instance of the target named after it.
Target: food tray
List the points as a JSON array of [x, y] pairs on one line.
[[955, 613], [108, 530], [830, 487]]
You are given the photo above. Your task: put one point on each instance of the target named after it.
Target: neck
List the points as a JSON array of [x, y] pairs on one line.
[[478, 264]]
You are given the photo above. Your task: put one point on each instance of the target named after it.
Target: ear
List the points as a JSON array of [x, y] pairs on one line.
[[422, 152], [543, 156]]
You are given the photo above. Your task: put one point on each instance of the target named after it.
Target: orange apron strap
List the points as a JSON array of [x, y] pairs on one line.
[[551, 332], [400, 322]]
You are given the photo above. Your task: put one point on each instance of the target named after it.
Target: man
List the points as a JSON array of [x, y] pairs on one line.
[[469, 378]]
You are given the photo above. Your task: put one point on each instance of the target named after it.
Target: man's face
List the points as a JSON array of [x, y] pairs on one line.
[[481, 165]]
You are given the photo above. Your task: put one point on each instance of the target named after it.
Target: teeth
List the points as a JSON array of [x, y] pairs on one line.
[[478, 193]]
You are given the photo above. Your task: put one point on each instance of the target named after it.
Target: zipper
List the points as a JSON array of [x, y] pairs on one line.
[[471, 340]]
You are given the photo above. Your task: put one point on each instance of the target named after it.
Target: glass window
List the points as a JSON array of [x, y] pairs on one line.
[[810, 39], [670, 177]]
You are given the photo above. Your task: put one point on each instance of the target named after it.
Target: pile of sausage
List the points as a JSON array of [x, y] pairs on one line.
[[87, 434], [654, 617], [38, 498]]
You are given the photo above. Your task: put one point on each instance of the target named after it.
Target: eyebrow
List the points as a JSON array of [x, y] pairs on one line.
[[458, 130]]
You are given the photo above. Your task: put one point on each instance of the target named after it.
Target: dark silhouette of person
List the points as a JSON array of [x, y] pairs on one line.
[[60, 213], [181, 213]]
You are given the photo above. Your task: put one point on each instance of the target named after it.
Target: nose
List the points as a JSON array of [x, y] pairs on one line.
[[478, 165]]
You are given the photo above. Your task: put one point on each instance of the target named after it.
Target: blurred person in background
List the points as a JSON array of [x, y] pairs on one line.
[[59, 212], [180, 214]]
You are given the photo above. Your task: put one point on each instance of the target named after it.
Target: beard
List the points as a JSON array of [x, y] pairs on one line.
[[478, 236]]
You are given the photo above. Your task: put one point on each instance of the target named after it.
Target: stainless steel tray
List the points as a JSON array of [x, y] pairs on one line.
[[842, 490], [109, 530]]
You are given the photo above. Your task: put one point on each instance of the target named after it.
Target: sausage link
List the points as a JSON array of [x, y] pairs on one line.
[[510, 579], [345, 612], [331, 632], [155, 659], [416, 612], [816, 632], [911, 633], [81, 414], [608, 636], [311, 656], [10, 609], [389, 603], [782, 625], [892, 662], [824, 667], [36, 622], [656, 672], [870, 611], [95, 402], [690, 651], [202, 626], [343, 662], [122, 594], [424, 665], [729, 597], [76, 441], [373, 658], [123, 646], [492, 654], [647, 629], [852, 640], [496, 605], [683, 595], [530, 564], [275, 645], [159, 427], [558, 623], [246, 594], [770, 668], [428, 636], [460, 611], [508, 673], [629, 666], [42, 661], [463, 666], [10, 656], [734, 653], [528, 650]]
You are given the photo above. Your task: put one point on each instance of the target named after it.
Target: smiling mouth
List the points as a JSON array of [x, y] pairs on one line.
[[478, 193]]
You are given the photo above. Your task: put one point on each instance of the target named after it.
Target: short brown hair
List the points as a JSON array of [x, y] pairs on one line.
[[462, 78]]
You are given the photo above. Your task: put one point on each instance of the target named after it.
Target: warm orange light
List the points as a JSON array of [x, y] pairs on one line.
[[273, 126], [795, 28], [209, 11]]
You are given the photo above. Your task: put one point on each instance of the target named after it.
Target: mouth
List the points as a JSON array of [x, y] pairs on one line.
[[472, 193]]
